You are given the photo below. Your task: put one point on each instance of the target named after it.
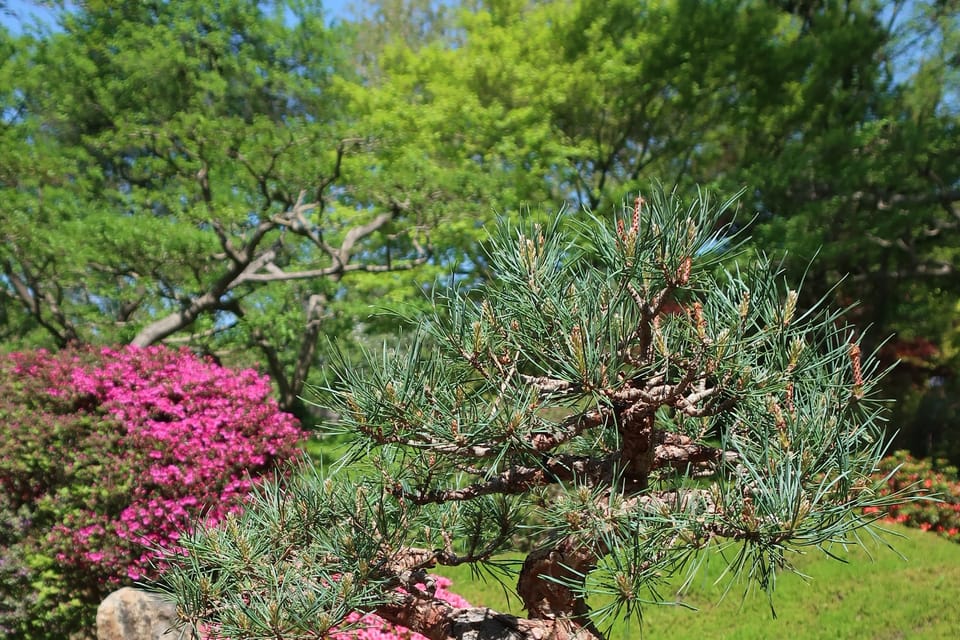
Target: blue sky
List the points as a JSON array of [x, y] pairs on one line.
[[19, 14]]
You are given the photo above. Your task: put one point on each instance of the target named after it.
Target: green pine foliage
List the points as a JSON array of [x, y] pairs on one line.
[[613, 383]]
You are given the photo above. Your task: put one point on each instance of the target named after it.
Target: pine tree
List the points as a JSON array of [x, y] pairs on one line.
[[620, 393]]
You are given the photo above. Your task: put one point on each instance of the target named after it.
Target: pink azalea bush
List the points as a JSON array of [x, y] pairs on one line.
[[373, 627], [357, 626], [105, 457], [935, 479]]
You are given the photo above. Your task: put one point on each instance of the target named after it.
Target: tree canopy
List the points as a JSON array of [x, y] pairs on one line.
[[176, 172], [243, 177]]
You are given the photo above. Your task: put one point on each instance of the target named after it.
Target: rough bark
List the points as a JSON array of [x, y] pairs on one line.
[[439, 621], [543, 595]]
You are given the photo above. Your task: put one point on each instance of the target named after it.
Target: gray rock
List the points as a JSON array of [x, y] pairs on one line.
[[132, 614]]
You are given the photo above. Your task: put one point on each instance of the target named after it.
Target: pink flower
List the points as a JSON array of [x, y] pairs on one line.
[[373, 627], [145, 409]]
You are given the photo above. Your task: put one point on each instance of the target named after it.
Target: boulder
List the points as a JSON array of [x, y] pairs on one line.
[[132, 614]]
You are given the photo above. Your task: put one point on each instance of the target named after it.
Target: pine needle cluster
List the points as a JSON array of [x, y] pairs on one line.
[[623, 384]]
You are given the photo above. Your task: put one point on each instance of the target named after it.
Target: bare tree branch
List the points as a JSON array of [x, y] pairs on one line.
[[519, 479], [34, 297], [250, 265]]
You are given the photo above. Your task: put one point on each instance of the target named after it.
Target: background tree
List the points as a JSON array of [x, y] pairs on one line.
[[175, 173], [613, 380], [871, 189], [841, 117]]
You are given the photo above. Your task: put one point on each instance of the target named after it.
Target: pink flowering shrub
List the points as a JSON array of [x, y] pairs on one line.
[[105, 456], [935, 479], [373, 627]]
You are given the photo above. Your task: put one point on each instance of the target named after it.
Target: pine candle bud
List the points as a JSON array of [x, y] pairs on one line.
[[796, 348], [659, 340], [323, 623], [789, 307], [528, 253], [744, 308], [346, 583], [682, 276], [699, 320], [721, 342], [578, 351]]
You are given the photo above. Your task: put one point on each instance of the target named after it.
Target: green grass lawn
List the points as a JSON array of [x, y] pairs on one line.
[[885, 597]]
